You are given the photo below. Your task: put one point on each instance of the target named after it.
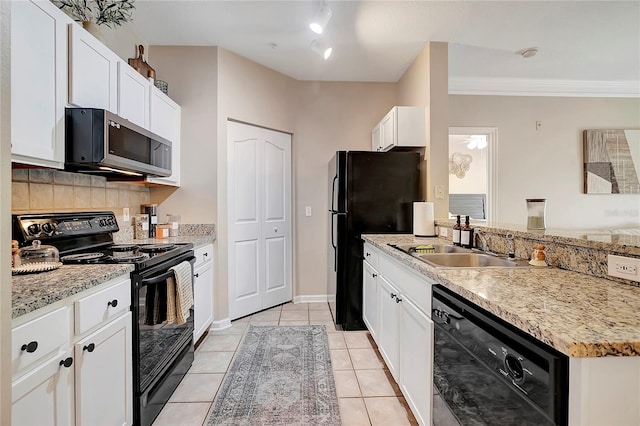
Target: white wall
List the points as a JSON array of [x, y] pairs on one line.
[[548, 163]]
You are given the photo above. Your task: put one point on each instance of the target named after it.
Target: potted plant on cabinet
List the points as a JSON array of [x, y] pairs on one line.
[[92, 13]]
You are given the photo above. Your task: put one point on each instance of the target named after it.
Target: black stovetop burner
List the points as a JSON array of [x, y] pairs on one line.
[[87, 238]]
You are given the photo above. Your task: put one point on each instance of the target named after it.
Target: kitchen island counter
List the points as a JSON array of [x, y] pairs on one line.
[[577, 314]]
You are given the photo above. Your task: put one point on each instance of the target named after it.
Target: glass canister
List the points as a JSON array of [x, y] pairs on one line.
[[174, 224], [536, 213], [38, 252]]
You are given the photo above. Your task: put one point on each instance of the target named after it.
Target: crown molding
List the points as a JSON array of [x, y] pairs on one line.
[[543, 87]]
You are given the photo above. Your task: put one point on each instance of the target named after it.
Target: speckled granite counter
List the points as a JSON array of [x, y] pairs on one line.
[[197, 241], [35, 291], [579, 315]]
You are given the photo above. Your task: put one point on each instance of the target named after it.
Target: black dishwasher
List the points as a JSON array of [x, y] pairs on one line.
[[490, 373]]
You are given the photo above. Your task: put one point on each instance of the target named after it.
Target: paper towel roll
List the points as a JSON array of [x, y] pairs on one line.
[[423, 221]]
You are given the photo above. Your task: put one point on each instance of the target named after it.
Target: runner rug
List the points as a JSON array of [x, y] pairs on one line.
[[280, 376]]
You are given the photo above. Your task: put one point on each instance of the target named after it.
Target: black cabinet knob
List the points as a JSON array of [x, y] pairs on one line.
[[113, 303], [393, 295], [196, 275], [90, 347], [30, 347], [368, 254], [67, 362], [374, 275], [398, 300], [207, 254]]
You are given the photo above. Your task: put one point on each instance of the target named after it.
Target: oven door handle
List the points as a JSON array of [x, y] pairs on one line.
[[157, 278]]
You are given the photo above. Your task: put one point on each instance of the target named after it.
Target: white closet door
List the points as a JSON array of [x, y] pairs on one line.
[[259, 199]]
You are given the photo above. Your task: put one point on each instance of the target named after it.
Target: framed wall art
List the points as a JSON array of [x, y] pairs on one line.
[[611, 161]]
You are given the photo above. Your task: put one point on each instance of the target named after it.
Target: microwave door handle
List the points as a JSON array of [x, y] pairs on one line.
[[157, 278]]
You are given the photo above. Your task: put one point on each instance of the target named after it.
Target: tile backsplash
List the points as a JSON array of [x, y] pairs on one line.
[[46, 190]]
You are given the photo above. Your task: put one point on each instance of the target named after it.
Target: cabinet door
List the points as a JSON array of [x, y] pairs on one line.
[[104, 375], [133, 95], [38, 83], [44, 396], [376, 138], [370, 298], [164, 120], [388, 325], [388, 131], [202, 299], [93, 79], [416, 360]]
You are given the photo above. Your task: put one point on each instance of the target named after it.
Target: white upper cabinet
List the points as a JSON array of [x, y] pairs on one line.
[[133, 95], [402, 127], [38, 82], [93, 72], [164, 121]]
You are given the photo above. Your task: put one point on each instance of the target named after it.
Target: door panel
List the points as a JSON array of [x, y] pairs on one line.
[[259, 193]]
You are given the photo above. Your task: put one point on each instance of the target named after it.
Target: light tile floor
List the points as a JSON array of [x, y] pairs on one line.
[[367, 393]]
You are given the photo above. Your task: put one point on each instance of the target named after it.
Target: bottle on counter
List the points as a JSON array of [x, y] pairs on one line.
[[456, 232], [466, 234], [152, 211]]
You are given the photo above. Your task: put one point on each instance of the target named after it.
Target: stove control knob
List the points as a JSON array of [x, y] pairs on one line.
[[33, 229], [47, 228], [103, 222], [111, 221]]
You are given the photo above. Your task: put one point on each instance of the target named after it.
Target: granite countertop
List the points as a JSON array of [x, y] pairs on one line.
[[35, 291], [579, 315]]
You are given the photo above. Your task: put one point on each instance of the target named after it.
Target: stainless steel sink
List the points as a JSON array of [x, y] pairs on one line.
[[466, 260], [437, 248]]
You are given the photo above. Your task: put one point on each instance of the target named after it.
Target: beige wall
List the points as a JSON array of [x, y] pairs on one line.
[[123, 41], [191, 73], [548, 163], [425, 83], [5, 214], [331, 117]]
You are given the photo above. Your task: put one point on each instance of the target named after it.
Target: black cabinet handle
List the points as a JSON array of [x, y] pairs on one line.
[[206, 254], [90, 347], [113, 303], [374, 275], [30, 347], [67, 362], [393, 295], [196, 275], [368, 254], [398, 300]]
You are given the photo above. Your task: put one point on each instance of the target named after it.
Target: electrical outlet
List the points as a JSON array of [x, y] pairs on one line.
[[307, 211], [439, 191], [538, 125], [623, 267], [444, 231], [125, 214]]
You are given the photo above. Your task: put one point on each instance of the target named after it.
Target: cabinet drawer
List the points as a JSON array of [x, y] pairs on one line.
[[203, 254], [99, 307], [416, 288], [370, 255], [36, 339]]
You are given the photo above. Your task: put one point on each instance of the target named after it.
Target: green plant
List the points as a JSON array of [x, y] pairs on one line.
[[111, 13]]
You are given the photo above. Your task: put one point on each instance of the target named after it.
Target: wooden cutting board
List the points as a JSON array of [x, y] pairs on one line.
[[140, 65]]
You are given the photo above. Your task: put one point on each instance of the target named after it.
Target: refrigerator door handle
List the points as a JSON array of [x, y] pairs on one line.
[[333, 244], [333, 192]]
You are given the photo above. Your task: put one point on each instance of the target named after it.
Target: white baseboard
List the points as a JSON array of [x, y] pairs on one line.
[[314, 298], [220, 324]]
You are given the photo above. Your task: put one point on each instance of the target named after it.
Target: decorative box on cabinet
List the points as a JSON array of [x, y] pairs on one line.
[[404, 329], [38, 83], [203, 291], [164, 120], [72, 361], [402, 127], [93, 72]]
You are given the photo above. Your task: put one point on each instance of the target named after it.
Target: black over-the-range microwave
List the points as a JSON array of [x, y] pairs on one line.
[[100, 142]]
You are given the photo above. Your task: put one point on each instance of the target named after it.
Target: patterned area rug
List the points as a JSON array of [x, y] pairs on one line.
[[280, 376]]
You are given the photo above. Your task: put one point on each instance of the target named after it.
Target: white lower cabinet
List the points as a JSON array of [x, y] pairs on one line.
[[404, 329], [370, 295], [64, 374], [103, 380], [203, 291]]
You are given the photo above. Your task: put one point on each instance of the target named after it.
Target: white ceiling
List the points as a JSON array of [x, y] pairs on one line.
[[583, 41]]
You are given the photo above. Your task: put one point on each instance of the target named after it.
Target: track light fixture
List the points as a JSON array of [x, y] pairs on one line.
[[321, 19], [321, 48]]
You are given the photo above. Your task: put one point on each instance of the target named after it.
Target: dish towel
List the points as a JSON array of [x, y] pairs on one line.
[[179, 293]]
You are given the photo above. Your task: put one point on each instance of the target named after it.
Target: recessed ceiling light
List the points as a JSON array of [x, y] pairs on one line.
[[529, 52]]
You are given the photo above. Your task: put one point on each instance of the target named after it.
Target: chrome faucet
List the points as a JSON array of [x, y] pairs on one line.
[[480, 234]]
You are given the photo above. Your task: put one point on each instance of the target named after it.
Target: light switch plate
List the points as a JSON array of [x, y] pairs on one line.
[[307, 211], [444, 231], [623, 267], [439, 192]]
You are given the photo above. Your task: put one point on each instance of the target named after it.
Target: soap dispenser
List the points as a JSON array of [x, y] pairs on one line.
[[466, 234]]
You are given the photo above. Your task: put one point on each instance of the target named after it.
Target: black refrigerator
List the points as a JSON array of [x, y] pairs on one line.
[[370, 193]]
